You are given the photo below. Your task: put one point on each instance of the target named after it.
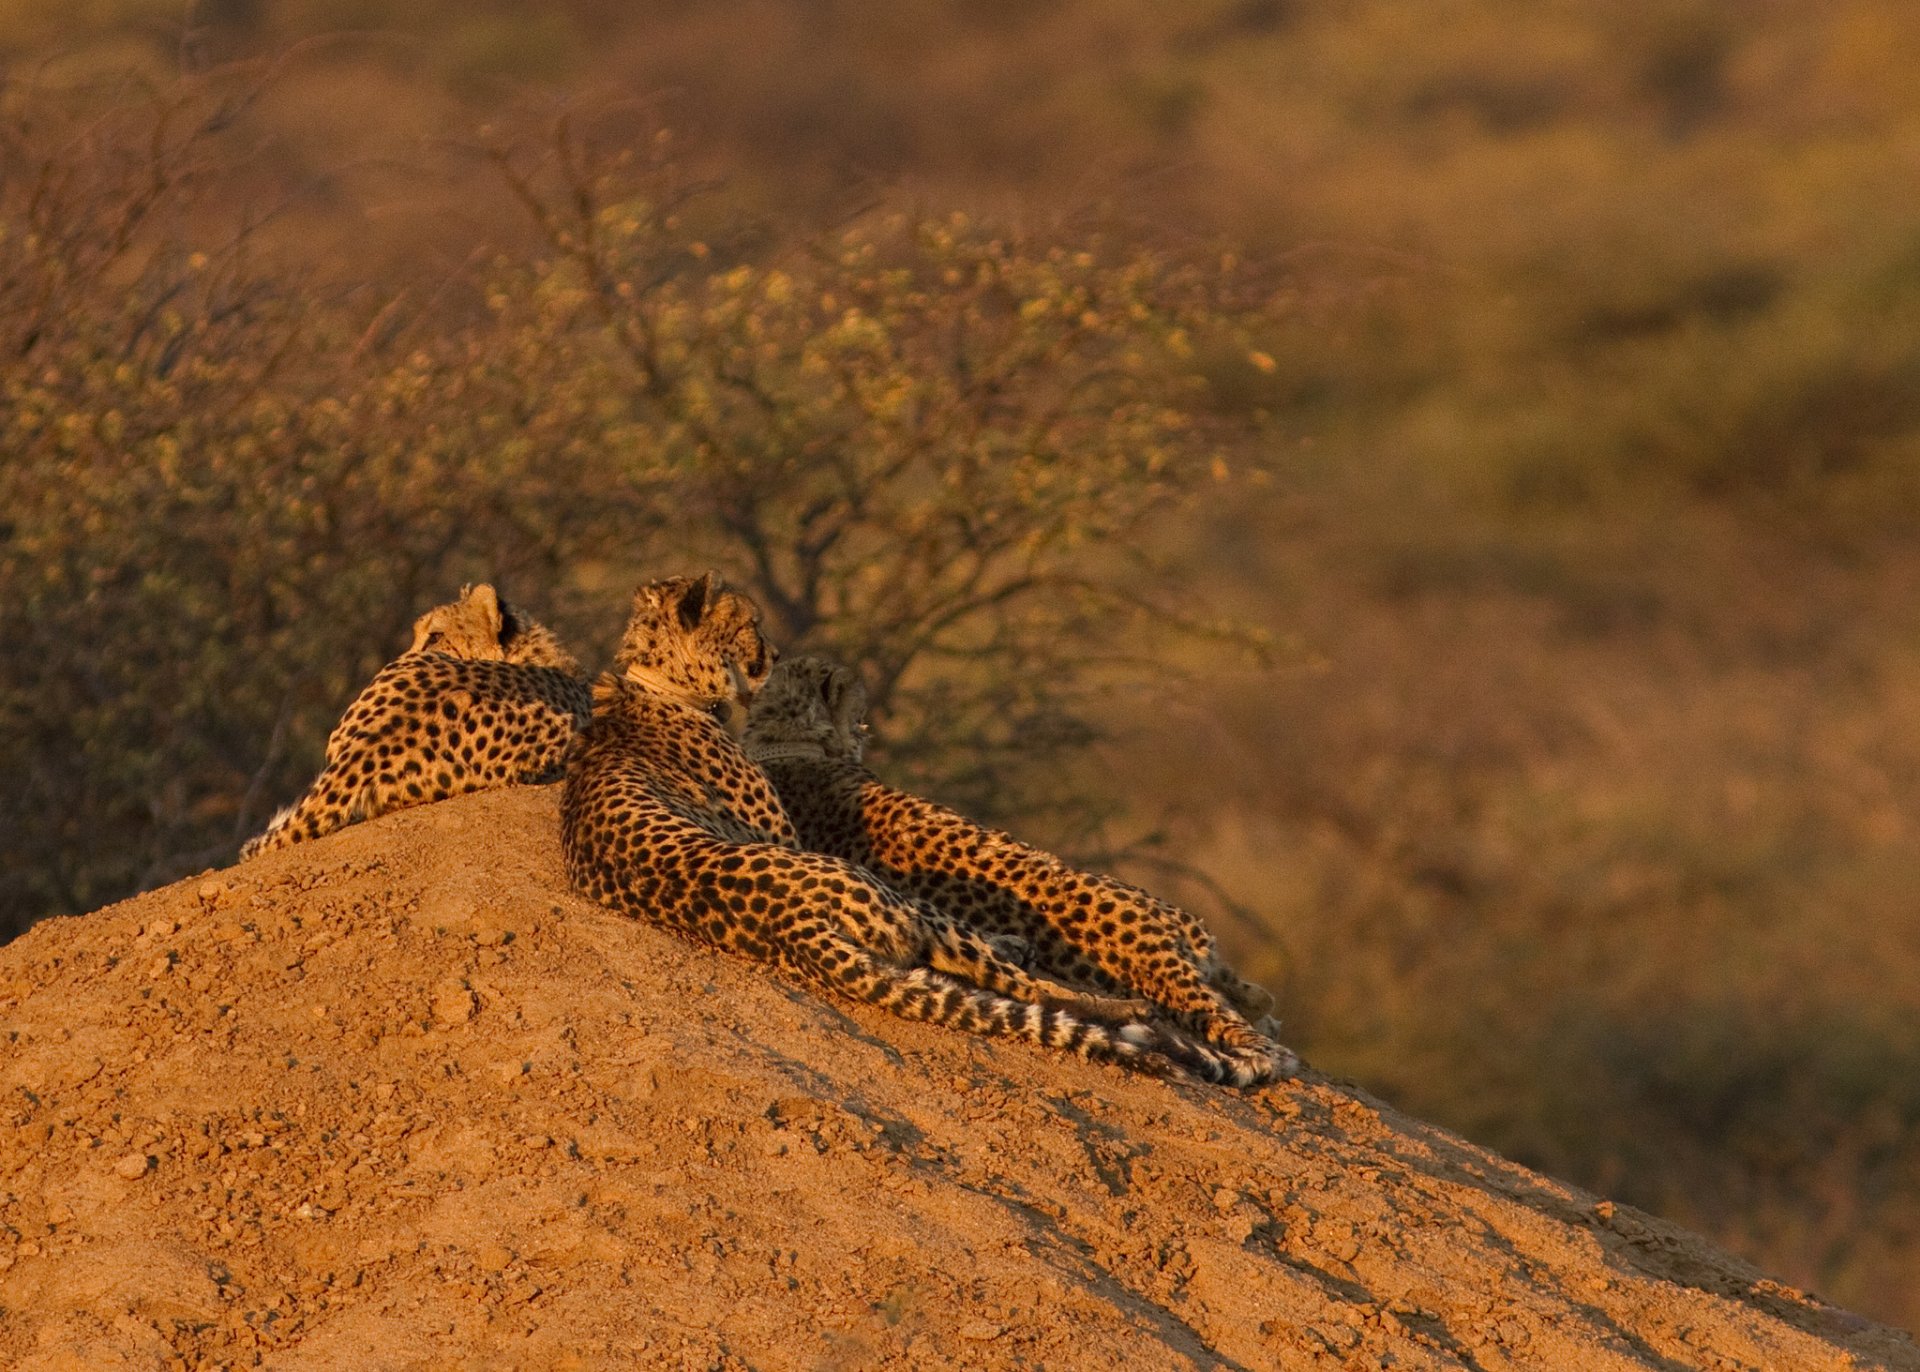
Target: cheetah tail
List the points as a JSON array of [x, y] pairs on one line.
[[923, 994], [963, 954], [336, 799], [271, 837]]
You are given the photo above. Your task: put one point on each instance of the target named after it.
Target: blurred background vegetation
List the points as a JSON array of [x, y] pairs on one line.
[[1541, 380]]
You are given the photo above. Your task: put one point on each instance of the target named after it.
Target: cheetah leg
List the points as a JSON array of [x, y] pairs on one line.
[[962, 953], [1252, 1001], [1064, 963]]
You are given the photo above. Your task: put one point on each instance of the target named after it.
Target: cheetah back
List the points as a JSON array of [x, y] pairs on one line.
[[431, 726]]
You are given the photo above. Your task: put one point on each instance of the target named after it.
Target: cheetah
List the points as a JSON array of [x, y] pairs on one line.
[[806, 730], [483, 697], [481, 627], [663, 818]]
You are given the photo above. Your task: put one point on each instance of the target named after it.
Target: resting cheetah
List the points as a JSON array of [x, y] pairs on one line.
[[666, 820], [806, 730], [485, 697], [481, 627]]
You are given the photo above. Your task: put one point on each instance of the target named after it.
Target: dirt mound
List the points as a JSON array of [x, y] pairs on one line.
[[396, 1099]]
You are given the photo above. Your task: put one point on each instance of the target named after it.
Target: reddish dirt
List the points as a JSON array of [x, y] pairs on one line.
[[397, 1099]]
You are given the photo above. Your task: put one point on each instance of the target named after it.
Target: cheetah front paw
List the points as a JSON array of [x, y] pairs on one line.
[[1247, 1060], [1258, 1046], [1012, 948]]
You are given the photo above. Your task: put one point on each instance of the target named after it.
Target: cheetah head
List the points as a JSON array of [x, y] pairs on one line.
[[809, 707], [692, 638], [482, 626]]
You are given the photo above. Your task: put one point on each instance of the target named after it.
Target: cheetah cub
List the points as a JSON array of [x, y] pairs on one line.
[[665, 819], [484, 697], [806, 730]]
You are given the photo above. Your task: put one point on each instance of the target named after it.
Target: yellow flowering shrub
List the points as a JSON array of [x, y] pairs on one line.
[[929, 448]]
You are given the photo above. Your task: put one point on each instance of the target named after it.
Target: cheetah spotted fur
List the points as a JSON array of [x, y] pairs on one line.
[[806, 730], [483, 697], [665, 819]]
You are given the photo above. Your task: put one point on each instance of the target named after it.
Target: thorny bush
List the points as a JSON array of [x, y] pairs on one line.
[[928, 447]]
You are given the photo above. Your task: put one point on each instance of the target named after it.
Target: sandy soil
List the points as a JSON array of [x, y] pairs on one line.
[[397, 1099]]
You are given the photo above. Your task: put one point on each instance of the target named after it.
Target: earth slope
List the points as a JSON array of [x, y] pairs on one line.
[[397, 1099]]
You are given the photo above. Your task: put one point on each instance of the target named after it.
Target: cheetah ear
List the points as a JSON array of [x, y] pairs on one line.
[[486, 598], [692, 606], [846, 695]]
